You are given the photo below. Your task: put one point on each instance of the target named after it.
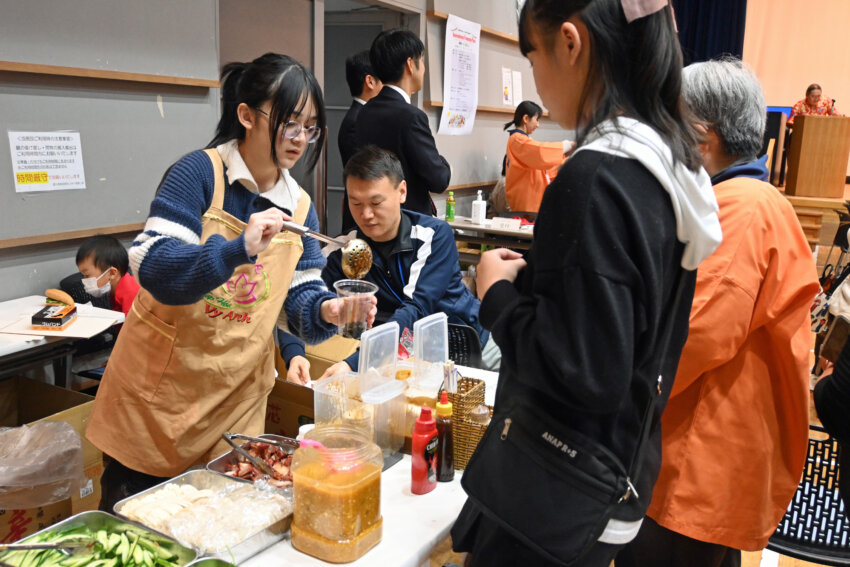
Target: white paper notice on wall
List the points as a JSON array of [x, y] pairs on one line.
[[46, 161], [507, 87], [460, 76], [516, 80]]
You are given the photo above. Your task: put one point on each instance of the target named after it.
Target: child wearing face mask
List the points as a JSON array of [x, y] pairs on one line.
[[104, 263]]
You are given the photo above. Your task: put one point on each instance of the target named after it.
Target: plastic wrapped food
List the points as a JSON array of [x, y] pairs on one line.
[[209, 520], [39, 464]]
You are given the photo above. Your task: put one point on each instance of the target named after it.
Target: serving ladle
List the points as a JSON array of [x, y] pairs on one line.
[[356, 254], [356, 259]]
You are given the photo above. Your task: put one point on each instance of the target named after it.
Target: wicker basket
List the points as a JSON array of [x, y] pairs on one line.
[[467, 434], [470, 394]]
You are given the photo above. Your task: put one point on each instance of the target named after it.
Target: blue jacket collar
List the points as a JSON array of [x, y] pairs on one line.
[[756, 169]]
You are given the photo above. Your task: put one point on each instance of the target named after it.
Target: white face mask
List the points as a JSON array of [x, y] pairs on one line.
[[91, 287]]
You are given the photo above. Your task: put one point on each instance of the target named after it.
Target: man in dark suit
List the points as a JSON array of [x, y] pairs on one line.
[[364, 85], [390, 122]]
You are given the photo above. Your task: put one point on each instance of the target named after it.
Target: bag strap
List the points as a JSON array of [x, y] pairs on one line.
[[650, 417]]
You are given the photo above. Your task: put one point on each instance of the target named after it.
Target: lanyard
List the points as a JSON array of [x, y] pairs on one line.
[[400, 275]]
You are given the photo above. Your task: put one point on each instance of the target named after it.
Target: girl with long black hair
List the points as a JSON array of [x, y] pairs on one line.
[[195, 357], [578, 318]]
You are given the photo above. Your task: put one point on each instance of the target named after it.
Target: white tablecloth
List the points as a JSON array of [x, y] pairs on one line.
[[413, 524]]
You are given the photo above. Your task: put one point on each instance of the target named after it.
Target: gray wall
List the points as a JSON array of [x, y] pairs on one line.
[[250, 28], [130, 132], [128, 143]]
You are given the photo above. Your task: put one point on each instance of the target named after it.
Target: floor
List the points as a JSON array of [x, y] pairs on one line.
[[443, 552]]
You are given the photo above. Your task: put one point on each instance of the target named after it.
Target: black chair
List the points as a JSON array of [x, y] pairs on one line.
[[464, 346], [815, 527]]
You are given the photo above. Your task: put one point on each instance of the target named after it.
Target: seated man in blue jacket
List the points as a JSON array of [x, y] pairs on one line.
[[415, 263]]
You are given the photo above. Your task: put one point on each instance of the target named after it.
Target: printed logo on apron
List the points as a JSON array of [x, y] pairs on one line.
[[246, 289]]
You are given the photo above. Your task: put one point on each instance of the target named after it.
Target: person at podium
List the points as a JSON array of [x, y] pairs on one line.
[[814, 104]]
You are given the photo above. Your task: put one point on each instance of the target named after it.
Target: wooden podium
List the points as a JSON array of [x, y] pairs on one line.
[[817, 159]]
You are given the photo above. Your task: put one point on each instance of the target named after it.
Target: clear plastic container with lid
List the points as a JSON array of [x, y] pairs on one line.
[[336, 494]]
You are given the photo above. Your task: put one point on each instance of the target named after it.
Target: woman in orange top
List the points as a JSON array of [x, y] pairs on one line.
[[814, 104], [735, 429], [529, 165]]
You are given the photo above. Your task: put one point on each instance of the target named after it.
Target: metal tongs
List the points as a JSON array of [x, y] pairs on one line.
[[261, 465], [67, 547], [302, 230]]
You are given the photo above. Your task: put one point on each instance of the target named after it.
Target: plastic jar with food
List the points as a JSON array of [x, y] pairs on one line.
[[336, 477]]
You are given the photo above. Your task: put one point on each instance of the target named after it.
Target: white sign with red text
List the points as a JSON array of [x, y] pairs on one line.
[[47, 161]]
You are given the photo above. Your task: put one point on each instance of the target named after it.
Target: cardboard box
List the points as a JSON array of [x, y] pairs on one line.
[[324, 355], [24, 401], [89, 497], [289, 407], [15, 524]]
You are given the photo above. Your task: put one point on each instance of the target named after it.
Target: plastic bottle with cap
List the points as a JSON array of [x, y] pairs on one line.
[[479, 209], [424, 453], [450, 207], [445, 440]]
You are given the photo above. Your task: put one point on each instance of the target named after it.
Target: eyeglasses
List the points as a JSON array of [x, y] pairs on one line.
[[292, 129]]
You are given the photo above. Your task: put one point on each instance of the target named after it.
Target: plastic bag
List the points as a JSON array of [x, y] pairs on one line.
[[39, 465]]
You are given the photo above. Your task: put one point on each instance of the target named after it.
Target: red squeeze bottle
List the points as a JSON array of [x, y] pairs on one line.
[[424, 453]]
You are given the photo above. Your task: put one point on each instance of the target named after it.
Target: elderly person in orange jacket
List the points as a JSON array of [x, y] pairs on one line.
[[529, 165], [735, 430]]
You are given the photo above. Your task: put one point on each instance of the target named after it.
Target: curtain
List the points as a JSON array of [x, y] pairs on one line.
[[710, 28], [790, 45], [790, 48]]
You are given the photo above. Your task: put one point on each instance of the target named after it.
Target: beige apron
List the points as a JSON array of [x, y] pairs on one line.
[[180, 376]]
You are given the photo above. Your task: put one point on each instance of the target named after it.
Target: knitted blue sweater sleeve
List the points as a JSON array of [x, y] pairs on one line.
[[168, 258], [308, 291]]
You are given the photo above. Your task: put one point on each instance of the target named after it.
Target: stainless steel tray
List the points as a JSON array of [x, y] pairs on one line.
[[96, 520], [210, 562], [219, 465], [203, 479]]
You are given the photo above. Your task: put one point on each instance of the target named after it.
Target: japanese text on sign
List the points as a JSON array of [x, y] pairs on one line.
[[47, 161]]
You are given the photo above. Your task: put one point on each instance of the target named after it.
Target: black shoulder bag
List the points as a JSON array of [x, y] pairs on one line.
[[571, 485]]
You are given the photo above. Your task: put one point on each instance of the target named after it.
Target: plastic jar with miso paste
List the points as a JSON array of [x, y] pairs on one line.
[[336, 475]]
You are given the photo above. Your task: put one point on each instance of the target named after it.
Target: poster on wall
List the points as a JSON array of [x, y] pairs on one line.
[[517, 84], [507, 87], [460, 76], [47, 161]]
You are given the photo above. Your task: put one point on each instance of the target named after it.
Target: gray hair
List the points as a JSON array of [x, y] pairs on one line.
[[727, 95]]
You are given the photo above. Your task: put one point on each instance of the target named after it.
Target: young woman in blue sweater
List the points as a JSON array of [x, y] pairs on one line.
[[196, 356]]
